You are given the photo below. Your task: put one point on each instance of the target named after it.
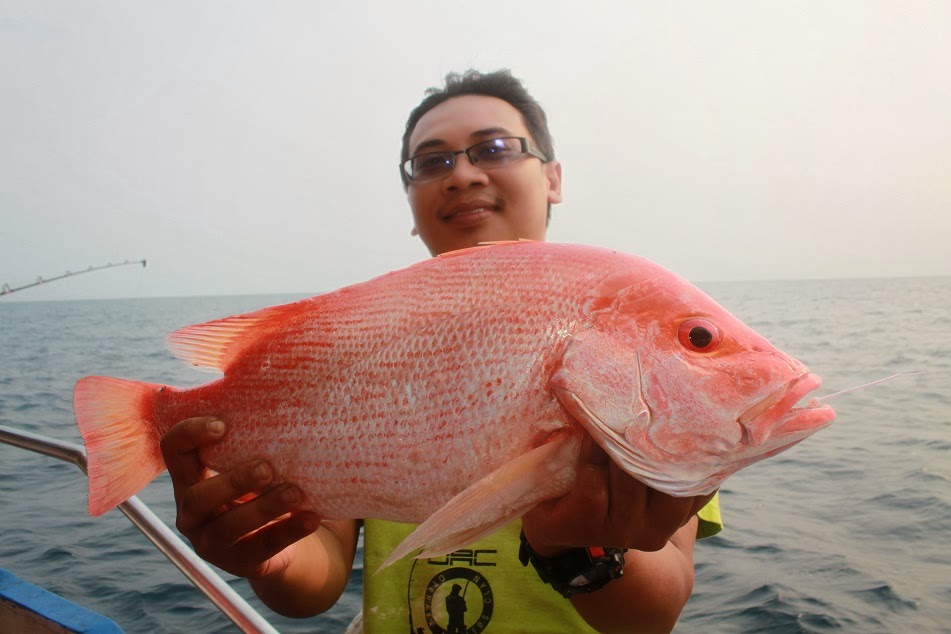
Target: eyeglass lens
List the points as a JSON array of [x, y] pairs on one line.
[[487, 154]]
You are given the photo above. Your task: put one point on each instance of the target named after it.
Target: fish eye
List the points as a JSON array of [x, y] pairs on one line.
[[699, 335]]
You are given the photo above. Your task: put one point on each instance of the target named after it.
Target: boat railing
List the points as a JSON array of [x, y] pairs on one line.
[[180, 554]]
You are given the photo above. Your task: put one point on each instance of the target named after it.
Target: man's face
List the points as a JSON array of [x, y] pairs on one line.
[[471, 205]]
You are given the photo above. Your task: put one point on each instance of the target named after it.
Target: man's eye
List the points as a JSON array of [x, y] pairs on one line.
[[431, 162], [493, 151]]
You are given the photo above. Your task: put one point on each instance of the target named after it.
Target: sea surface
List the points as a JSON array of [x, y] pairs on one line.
[[848, 532]]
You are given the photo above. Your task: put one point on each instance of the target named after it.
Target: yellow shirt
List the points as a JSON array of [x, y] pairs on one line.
[[482, 588]]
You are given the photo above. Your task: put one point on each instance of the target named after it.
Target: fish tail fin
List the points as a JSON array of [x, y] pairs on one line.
[[122, 443]]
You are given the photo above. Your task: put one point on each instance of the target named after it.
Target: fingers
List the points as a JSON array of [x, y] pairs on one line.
[[206, 499], [243, 538], [608, 507], [701, 501], [592, 453], [578, 517], [254, 553], [238, 520], [661, 515], [260, 553], [180, 447]]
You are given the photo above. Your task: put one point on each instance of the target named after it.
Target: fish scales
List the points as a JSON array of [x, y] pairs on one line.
[[401, 387]]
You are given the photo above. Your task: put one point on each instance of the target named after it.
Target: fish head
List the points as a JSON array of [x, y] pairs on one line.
[[680, 392]]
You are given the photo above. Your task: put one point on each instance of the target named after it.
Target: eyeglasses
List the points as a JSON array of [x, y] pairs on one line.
[[487, 155]]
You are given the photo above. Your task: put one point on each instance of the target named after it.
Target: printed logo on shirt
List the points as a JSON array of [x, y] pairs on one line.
[[465, 556], [456, 599]]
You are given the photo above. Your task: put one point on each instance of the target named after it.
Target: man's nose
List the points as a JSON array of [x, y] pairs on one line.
[[464, 173]]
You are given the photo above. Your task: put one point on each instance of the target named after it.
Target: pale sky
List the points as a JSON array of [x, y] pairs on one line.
[[252, 147]]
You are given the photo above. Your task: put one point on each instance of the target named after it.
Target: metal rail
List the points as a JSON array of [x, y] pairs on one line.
[[192, 566]]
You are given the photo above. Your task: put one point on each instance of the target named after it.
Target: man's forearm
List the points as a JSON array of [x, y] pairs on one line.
[[316, 576], [651, 594]]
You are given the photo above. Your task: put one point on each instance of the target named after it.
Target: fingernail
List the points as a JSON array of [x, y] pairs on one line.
[[290, 495], [262, 472], [216, 427]]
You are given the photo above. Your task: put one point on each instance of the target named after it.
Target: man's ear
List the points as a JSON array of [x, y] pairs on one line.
[[553, 173]]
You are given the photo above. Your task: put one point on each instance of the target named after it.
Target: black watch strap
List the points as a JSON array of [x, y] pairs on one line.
[[576, 571]]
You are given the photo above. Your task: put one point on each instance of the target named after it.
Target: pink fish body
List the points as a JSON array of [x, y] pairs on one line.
[[458, 390]]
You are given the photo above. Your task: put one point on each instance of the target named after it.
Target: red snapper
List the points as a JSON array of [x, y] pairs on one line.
[[455, 392]]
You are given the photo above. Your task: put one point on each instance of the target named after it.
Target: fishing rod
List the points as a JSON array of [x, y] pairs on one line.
[[6, 290]]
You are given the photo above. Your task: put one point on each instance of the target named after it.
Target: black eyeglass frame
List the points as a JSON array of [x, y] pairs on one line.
[[527, 148]]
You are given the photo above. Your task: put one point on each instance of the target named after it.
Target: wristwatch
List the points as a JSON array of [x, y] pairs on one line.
[[576, 571]]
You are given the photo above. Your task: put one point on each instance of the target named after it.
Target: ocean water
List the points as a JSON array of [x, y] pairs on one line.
[[848, 532]]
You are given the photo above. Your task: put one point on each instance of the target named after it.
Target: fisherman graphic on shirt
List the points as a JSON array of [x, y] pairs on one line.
[[456, 609]]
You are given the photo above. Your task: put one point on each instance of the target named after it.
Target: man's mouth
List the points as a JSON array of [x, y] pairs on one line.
[[469, 212]]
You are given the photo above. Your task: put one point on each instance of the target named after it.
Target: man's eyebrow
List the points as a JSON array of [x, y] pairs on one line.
[[425, 145], [490, 132], [478, 134]]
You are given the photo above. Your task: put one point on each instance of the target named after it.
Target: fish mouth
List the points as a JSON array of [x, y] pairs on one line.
[[775, 418]]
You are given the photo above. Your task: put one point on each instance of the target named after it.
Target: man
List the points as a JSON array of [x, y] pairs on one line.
[[478, 166]]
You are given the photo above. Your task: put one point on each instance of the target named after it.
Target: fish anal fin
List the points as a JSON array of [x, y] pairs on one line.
[[213, 345], [544, 473]]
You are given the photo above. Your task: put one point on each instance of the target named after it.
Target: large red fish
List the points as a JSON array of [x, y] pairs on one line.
[[458, 390]]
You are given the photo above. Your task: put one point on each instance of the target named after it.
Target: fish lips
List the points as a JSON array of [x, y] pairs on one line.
[[775, 419]]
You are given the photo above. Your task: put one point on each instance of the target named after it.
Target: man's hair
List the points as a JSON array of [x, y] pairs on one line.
[[500, 84]]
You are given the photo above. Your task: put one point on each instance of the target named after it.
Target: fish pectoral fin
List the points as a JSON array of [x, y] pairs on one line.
[[507, 493]]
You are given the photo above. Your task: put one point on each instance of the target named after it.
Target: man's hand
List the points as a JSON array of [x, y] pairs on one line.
[[238, 520], [607, 507]]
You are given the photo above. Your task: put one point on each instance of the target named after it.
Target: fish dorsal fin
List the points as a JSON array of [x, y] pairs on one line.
[[481, 246], [213, 345]]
